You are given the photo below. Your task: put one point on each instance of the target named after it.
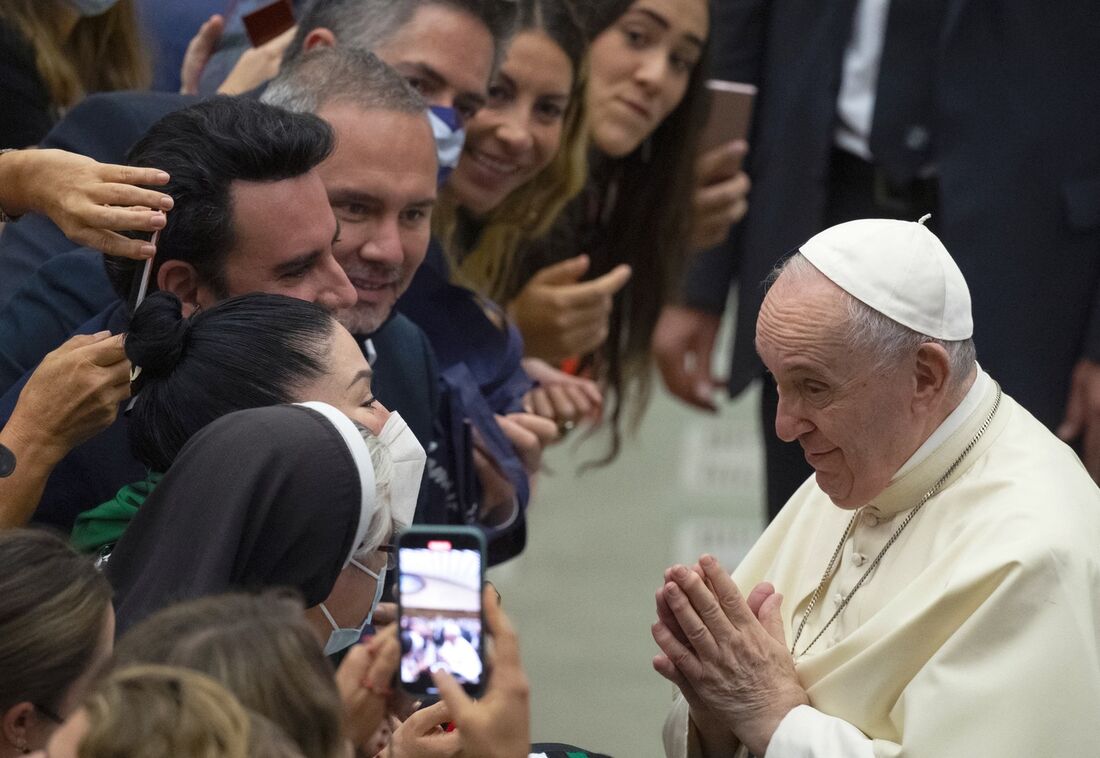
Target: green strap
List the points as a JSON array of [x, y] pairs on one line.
[[104, 524]]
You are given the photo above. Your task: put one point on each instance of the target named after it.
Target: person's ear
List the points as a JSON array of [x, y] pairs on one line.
[[182, 280], [319, 37], [932, 372], [15, 725]]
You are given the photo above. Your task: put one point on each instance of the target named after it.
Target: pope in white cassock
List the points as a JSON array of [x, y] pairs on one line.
[[934, 589]]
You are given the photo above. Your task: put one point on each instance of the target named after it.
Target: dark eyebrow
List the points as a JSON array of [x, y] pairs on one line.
[[423, 69], [364, 375], [350, 195], [299, 263], [662, 22], [428, 202]]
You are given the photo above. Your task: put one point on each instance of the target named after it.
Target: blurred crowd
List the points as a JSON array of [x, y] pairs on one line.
[[280, 280]]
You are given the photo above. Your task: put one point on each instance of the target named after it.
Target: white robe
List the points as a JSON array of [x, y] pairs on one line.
[[978, 634]]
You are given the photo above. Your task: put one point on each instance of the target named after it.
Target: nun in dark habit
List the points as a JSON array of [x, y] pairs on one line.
[[295, 496]]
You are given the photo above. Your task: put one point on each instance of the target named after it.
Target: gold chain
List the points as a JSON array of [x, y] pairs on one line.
[[893, 538]]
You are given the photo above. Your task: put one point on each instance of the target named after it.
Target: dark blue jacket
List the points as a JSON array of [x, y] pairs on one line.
[[1017, 113]]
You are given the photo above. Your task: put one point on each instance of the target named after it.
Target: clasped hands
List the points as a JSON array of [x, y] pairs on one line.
[[727, 654]]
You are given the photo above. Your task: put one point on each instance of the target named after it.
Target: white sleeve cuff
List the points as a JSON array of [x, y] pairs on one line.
[[806, 732]]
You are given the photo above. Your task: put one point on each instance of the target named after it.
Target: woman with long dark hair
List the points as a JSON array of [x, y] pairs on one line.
[[646, 101]]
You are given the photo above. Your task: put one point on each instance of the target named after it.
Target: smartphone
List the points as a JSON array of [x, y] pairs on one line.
[[268, 22], [440, 573], [729, 115]]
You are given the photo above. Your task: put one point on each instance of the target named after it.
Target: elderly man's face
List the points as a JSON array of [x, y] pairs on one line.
[[381, 183], [854, 422]]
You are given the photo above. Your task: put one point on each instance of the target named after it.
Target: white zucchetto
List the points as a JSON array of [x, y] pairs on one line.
[[898, 268]]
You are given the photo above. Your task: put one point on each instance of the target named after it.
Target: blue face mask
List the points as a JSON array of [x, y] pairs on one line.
[[346, 637], [447, 128], [88, 8]]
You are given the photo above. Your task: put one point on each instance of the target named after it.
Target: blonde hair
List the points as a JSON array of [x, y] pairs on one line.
[[530, 211], [156, 711], [103, 53]]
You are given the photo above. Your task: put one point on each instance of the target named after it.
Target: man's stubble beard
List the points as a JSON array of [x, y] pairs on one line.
[[361, 320]]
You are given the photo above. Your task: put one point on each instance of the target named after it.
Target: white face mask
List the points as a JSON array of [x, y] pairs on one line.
[[345, 637], [408, 458]]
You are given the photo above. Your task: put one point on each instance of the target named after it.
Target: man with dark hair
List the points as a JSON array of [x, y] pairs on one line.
[[381, 182], [251, 214], [445, 48]]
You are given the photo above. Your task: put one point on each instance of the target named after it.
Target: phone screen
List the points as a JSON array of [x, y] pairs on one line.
[[440, 580]]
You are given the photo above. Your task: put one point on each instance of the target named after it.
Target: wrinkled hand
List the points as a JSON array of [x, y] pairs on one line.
[[422, 736], [561, 316], [72, 395], [200, 50], [730, 664], [498, 725], [90, 201], [683, 342], [363, 680], [565, 399], [721, 194], [257, 64], [1082, 419], [529, 434]]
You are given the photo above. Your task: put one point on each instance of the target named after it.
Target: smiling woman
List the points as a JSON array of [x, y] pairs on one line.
[[524, 156], [628, 230]]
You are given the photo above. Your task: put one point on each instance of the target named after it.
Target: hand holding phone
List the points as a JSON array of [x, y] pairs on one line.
[[729, 115], [499, 724], [440, 574]]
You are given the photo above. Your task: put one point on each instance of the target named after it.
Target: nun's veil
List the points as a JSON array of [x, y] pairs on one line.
[[275, 496]]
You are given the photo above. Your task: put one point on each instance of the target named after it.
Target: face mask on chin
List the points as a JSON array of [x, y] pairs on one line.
[[88, 8], [449, 136], [345, 637]]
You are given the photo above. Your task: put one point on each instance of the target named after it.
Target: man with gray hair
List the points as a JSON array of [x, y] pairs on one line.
[[957, 615], [446, 49], [381, 184]]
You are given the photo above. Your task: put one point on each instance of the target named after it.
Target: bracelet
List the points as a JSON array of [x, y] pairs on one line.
[[4, 217]]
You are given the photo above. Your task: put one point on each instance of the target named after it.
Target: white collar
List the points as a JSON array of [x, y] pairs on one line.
[[949, 425], [360, 453]]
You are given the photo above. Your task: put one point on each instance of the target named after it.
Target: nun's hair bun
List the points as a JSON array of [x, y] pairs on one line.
[[158, 335]]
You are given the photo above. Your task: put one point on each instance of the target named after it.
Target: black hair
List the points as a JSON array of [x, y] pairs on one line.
[[205, 148], [249, 351], [560, 21], [598, 15]]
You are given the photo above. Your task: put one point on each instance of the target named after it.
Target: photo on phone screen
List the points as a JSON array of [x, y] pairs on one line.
[[440, 576]]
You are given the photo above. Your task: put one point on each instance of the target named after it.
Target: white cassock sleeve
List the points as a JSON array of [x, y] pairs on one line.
[[806, 732]]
